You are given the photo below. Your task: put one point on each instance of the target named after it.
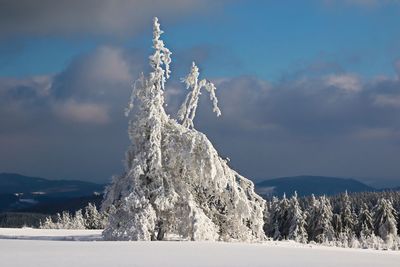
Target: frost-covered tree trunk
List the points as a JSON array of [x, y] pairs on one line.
[[175, 183]]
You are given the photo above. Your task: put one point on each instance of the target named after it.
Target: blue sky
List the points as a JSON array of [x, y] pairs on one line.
[[308, 87], [268, 38]]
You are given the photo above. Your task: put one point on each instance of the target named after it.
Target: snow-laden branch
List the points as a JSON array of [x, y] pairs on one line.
[[187, 112], [161, 56], [157, 78]]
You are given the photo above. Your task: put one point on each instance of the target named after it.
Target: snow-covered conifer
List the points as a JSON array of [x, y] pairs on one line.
[[270, 217], [175, 183], [385, 221], [47, 224], [365, 225], [66, 221], [93, 218], [348, 218], [297, 229], [313, 210], [323, 230], [77, 221], [282, 220]]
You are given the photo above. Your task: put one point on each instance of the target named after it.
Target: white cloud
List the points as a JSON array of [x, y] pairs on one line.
[[106, 64], [346, 82], [82, 112]]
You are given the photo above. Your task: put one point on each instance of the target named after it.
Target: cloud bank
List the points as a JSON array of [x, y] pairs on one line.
[[72, 123]]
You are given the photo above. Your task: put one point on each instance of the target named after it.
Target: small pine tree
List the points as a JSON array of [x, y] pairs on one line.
[[58, 222], [347, 215], [324, 232], [66, 221], [365, 222], [270, 217], [297, 229], [93, 218], [47, 224], [385, 224], [313, 207], [77, 221], [282, 219]]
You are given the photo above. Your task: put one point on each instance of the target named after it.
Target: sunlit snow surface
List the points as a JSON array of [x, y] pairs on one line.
[[65, 248]]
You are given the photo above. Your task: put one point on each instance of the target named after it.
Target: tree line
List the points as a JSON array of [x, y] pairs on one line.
[[89, 218], [366, 220]]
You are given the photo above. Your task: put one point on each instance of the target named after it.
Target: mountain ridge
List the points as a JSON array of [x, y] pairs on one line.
[[14, 183], [310, 184]]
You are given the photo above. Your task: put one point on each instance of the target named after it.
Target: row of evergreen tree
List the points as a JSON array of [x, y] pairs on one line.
[[367, 220], [90, 218], [363, 220]]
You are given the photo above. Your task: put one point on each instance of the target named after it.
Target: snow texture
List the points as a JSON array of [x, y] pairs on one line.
[[45, 253], [175, 183]]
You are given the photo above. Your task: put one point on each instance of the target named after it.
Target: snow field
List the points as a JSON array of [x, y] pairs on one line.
[[46, 248]]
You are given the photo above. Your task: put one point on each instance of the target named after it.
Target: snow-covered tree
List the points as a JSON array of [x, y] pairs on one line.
[[269, 219], [77, 221], [175, 183], [318, 211], [348, 218], [66, 221], [47, 224], [297, 229], [323, 230], [385, 221], [93, 218], [313, 210], [281, 218], [365, 225]]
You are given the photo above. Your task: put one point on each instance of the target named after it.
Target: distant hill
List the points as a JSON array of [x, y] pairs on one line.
[[307, 185], [19, 193], [11, 183]]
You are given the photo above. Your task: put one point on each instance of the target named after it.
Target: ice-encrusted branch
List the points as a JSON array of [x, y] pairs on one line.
[[187, 112], [161, 57]]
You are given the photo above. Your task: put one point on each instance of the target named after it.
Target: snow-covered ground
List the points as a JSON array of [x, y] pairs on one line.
[[48, 248]]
